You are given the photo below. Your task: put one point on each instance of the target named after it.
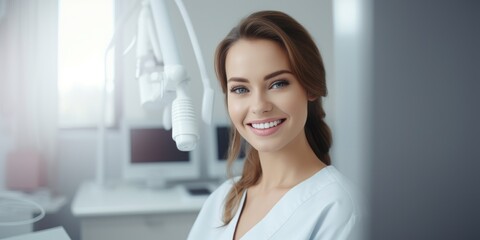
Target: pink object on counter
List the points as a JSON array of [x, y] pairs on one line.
[[25, 170]]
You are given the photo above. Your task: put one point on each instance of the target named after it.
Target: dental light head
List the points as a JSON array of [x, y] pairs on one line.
[[163, 80]]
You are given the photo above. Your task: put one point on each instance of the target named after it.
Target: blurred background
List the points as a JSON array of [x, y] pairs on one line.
[[403, 80]]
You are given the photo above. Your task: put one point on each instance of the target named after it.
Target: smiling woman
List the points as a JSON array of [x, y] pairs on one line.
[[273, 78], [85, 28], [273, 95]]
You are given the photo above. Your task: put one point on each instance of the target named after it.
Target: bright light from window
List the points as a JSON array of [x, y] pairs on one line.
[[347, 16], [85, 29]]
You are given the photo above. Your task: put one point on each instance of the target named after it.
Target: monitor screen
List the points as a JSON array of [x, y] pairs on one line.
[[223, 142], [150, 145], [219, 144], [151, 155]]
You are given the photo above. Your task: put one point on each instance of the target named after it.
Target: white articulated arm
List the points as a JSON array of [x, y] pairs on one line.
[[174, 88], [163, 79]]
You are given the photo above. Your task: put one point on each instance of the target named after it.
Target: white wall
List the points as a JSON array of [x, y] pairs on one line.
[[4, 147], [352, 98]]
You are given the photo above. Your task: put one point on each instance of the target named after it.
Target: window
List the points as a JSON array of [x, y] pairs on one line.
[[85, 29]]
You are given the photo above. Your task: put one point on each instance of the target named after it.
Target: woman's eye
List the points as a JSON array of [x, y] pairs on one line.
[[279, 84], [239, 90]]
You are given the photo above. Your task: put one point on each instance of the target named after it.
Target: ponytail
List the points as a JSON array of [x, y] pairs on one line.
[[317, 132]]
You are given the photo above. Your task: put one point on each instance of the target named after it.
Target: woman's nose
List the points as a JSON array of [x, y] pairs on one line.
[[261, 104]]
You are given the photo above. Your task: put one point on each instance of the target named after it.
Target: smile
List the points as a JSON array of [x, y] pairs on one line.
[[266, 125], [264, 129]]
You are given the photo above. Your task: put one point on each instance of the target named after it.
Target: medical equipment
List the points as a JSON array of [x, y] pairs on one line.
[[163, 79], [151, 158], [11, 207], [219, 139]]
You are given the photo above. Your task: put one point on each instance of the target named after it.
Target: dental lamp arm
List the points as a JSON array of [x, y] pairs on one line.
[[208, 94], [163, 79]]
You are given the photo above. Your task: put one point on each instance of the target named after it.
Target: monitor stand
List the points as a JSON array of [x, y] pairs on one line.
[[155, 183], [198, 191]]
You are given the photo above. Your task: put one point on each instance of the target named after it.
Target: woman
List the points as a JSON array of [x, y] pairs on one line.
[[273, 78]]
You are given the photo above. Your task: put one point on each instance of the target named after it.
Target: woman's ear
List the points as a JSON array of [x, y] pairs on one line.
[[311, 97]]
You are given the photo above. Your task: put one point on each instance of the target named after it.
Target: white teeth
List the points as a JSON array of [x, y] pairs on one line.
[[266, 125]]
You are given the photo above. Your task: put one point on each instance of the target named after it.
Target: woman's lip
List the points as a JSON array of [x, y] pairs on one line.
[[267, 131], [265, 121]]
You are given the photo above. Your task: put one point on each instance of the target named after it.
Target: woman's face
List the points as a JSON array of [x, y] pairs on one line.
[[266, 103]]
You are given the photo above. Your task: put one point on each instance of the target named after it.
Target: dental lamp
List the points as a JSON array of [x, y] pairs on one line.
[[163, 80]]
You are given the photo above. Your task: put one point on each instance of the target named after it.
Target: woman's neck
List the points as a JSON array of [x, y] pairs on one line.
[[288, 167]]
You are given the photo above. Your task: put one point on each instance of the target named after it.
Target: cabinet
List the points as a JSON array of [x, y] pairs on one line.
[[132, 212]]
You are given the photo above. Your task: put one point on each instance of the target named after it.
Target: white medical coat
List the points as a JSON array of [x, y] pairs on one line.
[[322, 208]]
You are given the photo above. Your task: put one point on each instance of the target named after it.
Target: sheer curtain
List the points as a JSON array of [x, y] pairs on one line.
[[28, 82]]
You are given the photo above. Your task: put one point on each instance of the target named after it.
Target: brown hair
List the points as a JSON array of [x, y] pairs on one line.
[[307, 65]]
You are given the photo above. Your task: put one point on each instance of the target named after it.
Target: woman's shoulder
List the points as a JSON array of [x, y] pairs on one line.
[[331, 187], [209, 220], [217, 197], [222, 190], [330, 204], [338, 181]]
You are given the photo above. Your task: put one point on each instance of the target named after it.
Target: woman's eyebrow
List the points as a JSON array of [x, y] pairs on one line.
[[276, 73], [268, 76], [237, 79]]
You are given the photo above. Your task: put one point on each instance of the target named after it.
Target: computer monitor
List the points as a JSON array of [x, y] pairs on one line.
[[220, 142], [151, 156]]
